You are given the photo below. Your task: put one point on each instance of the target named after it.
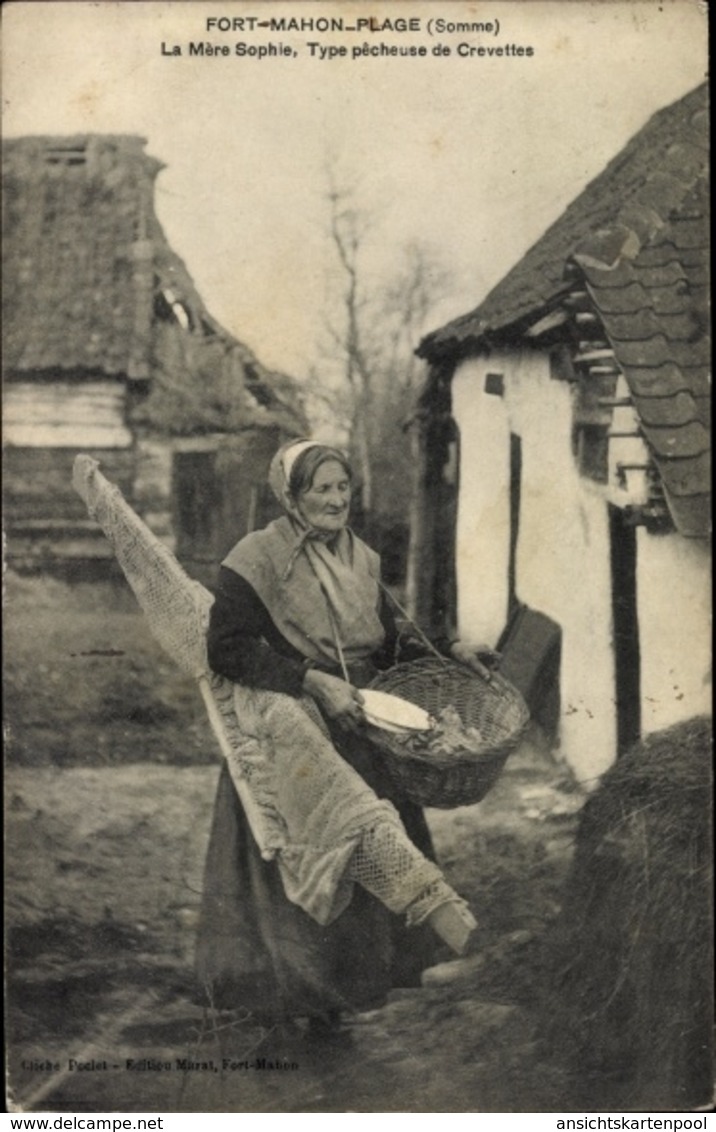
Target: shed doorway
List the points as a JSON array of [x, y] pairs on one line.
[[218, 496]]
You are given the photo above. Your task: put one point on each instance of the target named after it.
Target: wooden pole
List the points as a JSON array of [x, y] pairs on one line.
[[251, 809]]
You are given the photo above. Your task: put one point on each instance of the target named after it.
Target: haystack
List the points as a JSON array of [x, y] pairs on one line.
[[629, 1006]]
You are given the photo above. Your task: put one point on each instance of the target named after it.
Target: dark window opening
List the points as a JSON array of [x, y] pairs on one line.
[[495, 384], [66, 161], [162, 309], [168, 308], [60, 155], [590, 445], [261, 394]]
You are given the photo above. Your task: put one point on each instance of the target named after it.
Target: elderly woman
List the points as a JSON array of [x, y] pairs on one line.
[[299, 610]]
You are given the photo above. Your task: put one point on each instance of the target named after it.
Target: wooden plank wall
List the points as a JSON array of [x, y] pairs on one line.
[[46, 523], [38, 481], [59, 414]]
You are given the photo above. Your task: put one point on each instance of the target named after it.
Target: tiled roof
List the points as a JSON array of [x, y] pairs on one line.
[[657, 167], [653, 303], [639, 236], [91, 282]]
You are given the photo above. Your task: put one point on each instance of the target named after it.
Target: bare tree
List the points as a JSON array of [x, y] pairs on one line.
[[348, 228], [375, 335], [411, 293]]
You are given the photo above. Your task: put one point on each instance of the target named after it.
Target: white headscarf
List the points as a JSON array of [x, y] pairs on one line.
[[317, 598]]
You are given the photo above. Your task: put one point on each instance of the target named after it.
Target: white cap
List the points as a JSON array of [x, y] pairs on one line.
[[291, 455]]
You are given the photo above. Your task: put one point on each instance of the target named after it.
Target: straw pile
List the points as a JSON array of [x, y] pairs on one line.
[[629, 1001]]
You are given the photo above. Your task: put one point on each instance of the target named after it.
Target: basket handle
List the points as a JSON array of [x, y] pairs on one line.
[[425, 640], [428, 643]]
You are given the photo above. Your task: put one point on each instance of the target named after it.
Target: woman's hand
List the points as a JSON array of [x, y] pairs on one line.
[[340, 701], [480, 658]]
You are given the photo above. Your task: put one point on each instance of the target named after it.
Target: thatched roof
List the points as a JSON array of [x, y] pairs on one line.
[[639, 236], [93, 289]]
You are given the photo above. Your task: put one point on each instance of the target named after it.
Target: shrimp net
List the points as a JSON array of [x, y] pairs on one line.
[[306, 807]]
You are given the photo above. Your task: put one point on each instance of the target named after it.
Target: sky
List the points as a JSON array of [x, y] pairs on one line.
[[471, 155]]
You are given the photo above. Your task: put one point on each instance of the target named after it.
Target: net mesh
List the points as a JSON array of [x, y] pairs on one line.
[[387, 864], [330, 828], [176, 607], [306, 806]]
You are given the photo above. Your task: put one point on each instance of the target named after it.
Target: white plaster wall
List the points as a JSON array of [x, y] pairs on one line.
[[674, 606], [483, 518], [563, 547], [563, 562]]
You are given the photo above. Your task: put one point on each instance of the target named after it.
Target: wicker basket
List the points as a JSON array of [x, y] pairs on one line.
[[495, 708]]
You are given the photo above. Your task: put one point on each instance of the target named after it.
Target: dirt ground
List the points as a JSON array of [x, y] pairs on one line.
[[109, 789]]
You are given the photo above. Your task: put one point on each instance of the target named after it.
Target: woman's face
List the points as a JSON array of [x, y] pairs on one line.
[[326, 502]]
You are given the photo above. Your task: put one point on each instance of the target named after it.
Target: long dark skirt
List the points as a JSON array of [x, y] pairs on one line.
[[258, 951]]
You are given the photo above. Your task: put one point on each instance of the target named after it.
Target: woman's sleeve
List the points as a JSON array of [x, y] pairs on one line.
[[237, 643]]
